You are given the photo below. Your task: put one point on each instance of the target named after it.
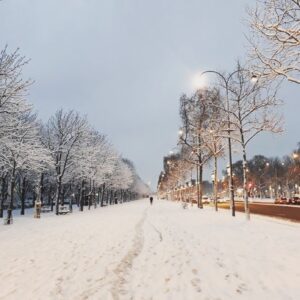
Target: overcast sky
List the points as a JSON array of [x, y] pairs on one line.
[[125, 64]]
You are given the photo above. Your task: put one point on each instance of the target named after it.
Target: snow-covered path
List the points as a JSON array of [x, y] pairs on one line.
[[138, 251]]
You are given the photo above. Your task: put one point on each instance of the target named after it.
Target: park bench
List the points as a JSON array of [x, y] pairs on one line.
[[46, 209], [63, 210]]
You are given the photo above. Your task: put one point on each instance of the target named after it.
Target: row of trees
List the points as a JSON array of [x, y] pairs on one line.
[[270, 177], [237, 111], [239, 105], [64, 158]]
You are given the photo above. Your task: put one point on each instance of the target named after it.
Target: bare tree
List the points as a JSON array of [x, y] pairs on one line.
[[252, 111], [275, 38], [197, 114], [64, 132]]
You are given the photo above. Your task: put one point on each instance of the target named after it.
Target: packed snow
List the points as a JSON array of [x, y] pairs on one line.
[[138, 251]]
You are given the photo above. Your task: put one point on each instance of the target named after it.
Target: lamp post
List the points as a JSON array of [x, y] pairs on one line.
[[215, 189], [226, 80], [198, 171]]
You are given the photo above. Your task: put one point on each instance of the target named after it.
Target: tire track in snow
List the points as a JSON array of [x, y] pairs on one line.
[[125, 265]]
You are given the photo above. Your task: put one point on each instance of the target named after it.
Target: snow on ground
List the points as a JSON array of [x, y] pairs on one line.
[[138, 251]]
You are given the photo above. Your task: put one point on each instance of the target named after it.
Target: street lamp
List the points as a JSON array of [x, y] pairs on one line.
[[254, 78], [180, 132], [226, 80]]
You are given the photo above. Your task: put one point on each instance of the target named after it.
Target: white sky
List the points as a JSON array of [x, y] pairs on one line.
[[125, 64]]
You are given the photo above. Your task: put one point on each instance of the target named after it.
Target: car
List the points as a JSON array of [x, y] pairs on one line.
[[294, 200], [205, 199], [281, 200], [221, 200]]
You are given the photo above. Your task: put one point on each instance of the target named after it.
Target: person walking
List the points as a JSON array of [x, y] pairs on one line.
[[151, 200]]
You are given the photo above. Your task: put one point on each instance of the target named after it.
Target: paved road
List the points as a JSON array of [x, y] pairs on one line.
[[290, 212]]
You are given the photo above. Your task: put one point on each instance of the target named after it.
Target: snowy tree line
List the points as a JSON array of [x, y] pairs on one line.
[[64, 160]]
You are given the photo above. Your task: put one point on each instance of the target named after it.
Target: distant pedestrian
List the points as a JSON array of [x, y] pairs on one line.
[[151, 200]]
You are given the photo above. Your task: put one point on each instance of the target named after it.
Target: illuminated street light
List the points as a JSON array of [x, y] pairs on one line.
[[212, 177], [226, 81], [199, 81], [254, 78]]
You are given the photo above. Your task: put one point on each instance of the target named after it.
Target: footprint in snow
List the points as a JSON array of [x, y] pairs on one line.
[[195, 272], [196, 284]]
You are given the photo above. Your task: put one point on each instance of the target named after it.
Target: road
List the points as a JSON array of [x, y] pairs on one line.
[[135, 251], [289, 212]]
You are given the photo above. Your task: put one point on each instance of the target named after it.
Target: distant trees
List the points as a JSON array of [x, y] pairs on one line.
[[275, 39], [270, 177]]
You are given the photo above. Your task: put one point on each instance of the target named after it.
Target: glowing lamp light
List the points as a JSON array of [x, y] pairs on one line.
[[240, 191], [254, 78], [199, 82]]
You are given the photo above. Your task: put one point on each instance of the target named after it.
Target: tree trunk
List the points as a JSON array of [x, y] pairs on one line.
[[9, 219], [57, 194], [94, 195], [98, 196], [71, 199], [3, 195], [200, 203], [51, 198], [63, 195], [107, 193], [38, 201], [42, 188], [216, 182], [246, 200], [200, 185], [82, 195], [102, 194], [23, 196], [111, 197], [197, 186]]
